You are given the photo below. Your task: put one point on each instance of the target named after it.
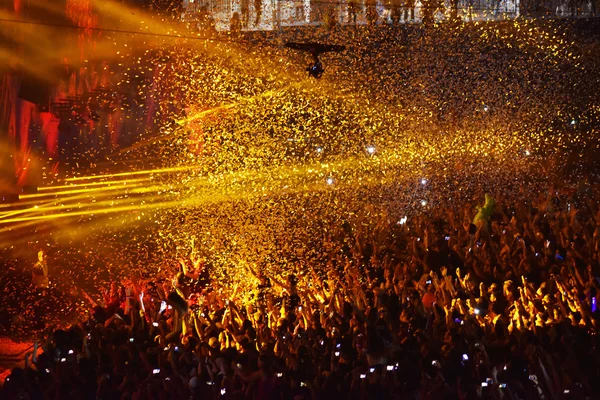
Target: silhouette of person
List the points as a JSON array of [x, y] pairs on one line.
[[245, 13], [236, 25], [410, 5], [352, 11], [395, 12], [372, 15], [258, 11], [39, 276]]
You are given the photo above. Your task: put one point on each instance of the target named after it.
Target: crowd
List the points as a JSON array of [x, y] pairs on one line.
[[494, 301], [498, 301]]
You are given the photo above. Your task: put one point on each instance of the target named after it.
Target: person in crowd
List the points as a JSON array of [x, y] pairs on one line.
[[352, 11], [257, 12], [409, 5], [371, 12], [39, 278], [236, 25], [245, 8]]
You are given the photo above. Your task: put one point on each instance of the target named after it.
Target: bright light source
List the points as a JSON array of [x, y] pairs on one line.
[[573, 122], [486, 108], [527, 153], [423, 181], [319, 149], [423, 203], [330, 181], [371, 149], [402, 221]]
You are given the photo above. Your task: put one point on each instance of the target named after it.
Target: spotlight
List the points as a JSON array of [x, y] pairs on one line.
[[423, 181], [423, 203], [371, 149], [573, 122]]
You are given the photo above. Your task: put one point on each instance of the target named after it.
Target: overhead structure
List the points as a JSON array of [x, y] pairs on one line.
[[315, 49]]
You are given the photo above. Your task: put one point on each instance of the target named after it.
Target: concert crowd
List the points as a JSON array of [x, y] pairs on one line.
[[495, 301]]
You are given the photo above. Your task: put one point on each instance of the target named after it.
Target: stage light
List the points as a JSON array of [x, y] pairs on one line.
[[423, 203], [371, 149], [423, 181]]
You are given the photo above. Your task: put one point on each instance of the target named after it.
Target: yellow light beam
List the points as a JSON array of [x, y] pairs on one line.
[[106, 210], [67, 199], [70, 202], [88, 190], [201, 114], [145, 172], [14, 228], [93, 204], [46, 188], [22, 203], [37, 210]]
